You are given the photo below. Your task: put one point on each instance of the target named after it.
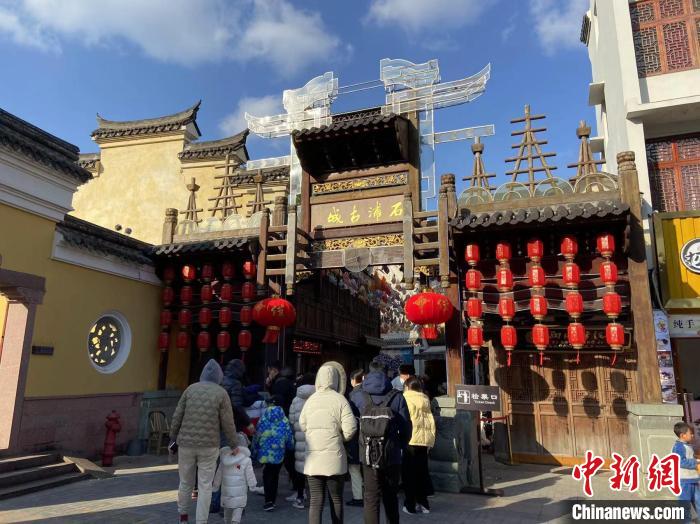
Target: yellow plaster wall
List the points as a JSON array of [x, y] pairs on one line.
[[683, 285], [139, 179], [75, 297]]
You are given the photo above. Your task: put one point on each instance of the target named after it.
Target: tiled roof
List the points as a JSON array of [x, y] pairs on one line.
[[534, 215], [270, 174], [337, 125], [88, 160], [86, 235], [163, 124], [201, 246], [40, 146], [217, 149]]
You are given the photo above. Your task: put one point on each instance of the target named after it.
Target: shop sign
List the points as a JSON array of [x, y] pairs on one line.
[[665, 359], [690, 255], [478, 398], [684, 326], [306, 346], [361, 212]]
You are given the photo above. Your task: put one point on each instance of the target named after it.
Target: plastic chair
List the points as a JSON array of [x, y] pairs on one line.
[[159, 432]]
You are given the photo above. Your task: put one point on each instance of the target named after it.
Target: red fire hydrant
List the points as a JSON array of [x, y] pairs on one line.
[[113, 427]]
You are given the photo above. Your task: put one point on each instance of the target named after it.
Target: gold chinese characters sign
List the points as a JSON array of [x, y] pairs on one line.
[[354, 184], [357, 212]]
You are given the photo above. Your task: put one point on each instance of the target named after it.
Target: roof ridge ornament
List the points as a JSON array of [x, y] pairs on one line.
[[117, 128]]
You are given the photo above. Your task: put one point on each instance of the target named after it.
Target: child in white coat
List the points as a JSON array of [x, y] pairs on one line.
[[235, 476]]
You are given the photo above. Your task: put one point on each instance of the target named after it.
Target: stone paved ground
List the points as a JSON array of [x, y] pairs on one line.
[[144, 490]]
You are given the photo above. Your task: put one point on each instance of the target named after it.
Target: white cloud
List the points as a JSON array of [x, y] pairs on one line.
[[178, 31], [256, 106], [558, 22], [414, 15]]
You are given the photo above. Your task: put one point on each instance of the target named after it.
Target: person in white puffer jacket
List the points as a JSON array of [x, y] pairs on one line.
[[305, 389], [235, 476]]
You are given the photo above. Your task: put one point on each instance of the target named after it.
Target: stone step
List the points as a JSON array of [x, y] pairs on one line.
[[25, 475], [38, 485], [28, 461]]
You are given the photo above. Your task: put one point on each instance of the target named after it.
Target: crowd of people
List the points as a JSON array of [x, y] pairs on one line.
[[320, 427]]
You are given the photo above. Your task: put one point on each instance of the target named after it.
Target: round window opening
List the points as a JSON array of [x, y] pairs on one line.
[[109, 342]]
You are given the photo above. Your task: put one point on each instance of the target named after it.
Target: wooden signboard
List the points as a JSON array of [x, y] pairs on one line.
[[362, 212]]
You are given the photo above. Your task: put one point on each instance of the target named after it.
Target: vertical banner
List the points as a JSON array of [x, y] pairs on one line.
[[663, 352]]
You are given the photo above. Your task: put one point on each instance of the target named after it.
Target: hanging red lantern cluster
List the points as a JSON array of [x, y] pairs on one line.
[[571, 275], [182, 341], [275, 313], [612, 303], [207, 272], [538, 302], [426, 309], [475, 309], [506, 304]]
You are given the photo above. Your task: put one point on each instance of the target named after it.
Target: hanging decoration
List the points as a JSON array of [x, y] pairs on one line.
[[163, 341], [227, 271], [506, 304], [166, 319], [426, 309], [540, 337], [203, 341], [168, 296], [249, 270], [206, 294], [274, 313], [475, 309], [538, 302], [226, 292], [246, 316], [245, 340], [207, 272], [204, 317], [248, 291], [189, 272], [612, 304], [186, 295], [225, 316], [184, 318], [168, 275], [571, 275], [509, 339], [182, 341]]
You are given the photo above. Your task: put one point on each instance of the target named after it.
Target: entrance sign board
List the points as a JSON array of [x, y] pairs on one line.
[[478, 398], [361, 212]]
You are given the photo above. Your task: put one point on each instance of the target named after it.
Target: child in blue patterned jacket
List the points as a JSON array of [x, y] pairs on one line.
[[273, 437], [688, 471]]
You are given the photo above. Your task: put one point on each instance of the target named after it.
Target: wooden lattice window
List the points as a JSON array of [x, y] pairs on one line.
[[674, 172], [666, 35]]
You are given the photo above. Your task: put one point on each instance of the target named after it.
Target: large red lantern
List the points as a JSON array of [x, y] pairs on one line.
[[428, 309], [504, 279], [473, 280], [164, 341], [227, 271], [206, 294], [569, 247], [571, 275], [246, 315], [574, 304], [274, 313], [186, 295], [168, 295], [168, 274], [184, 318], [538, 307], [576, 334], [189, 272], [475, 337], [608, 273], [166, 318], [536, 277], [207, 272], [503, 252], [225, 316], [248, 291], [615, 335], [204, 317], [183, 340], [612, 305], [474, 308], [471, 254], [226, 292], [540, 336], [535, 249], [203, 341], [223, 341], [249, 269], [245, 339], [605, 244], [506, 308], [509, 338]]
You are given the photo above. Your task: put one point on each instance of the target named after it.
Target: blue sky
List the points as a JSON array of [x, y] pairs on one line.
[[65, 60]]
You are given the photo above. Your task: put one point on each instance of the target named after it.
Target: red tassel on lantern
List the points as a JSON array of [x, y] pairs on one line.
[[246, 315], [248, 291], [225, 316], [503, 252], [475, 337], [205, 316], [605, 244], [535, 249], [615, 335], [227, 271], [536, 277], [509, 338], [182, 341], [184, 318], [166, 318], [203, 341], [189, 272], [207, 272], [471, 254], [612, 305], [569, 247], [223, 341], [226, 292], [608, 273], [571, 275], [168, 296], [186, 295], [164, 341], [206, 294], [245, 339], [473, 280], [249, 269], [506, 308], [540, 337], [474, 308], [168, 274], [538, 307], [504, 279], [574, 304]]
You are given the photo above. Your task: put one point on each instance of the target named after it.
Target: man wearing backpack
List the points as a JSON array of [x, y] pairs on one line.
[[385, 430]]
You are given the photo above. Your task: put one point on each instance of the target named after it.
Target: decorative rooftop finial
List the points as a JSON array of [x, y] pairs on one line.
[[529, 150], [586, 166], [192, 212], [479, 177], [225, 200]]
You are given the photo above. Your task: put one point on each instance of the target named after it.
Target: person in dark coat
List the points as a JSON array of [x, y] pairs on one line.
[[234, 378], [353, 446], [383, 484], [283, 389]]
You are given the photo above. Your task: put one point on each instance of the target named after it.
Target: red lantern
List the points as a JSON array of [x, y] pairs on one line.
[[249, 269], [538, 307], [274, 313], [184, 318], [605, 244], [166, 318], [203, 341], [576, 334], [509, 338], [574, 304], [608, 273], [612, 305], [206, 294], [504, 279], [246, 315], [540, 336], [186, 295], [225, 316], [168, 274], [205, 316], [223, 341], [571, 275], [569, 247], [227, 271], [226, 292], [168, 295], [615, 335], [475, 337], [474, 308], [506, 308], [164, 341], [189, 272], [207, 272], [536, 277], [248, 291], [535, 249], [245, 339], [503, 252], [473, 280], [471, 254], [182, 341], [427, 309]]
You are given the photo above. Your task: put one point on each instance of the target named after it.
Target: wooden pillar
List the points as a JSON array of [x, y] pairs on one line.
[[453, 340], [262, 254], [169, 225], [290, 263], [414, 160], [279, 212], [443, 220], [408, 240], [644, 338]]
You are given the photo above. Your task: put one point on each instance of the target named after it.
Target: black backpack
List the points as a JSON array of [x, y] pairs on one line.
[[376, 424]]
